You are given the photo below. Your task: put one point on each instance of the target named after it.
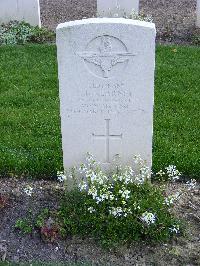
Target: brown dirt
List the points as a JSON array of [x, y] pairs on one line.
[[174, 19], [16, 247]]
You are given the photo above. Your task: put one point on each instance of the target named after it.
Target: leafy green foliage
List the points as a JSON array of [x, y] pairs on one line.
[[48, 225], [40, 221], [109, 230], [122, 207], [21, 32], [24, 225]]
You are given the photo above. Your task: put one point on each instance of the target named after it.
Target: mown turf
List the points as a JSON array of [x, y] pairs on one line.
[[177, 106], [30, 140]]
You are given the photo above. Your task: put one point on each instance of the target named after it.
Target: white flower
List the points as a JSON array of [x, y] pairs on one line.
[[103, 195], [175, 229], [128, 176], [136, 206], [160, 173], [28, 190], [61, 176], [173, 173], [191, 184], [120, 178], [127, 211], [130, 171], [148, 218], [98, 200], [145, 172], [112, 197], [91, 209], [170, 199], [139, 179], [116, 212], [93, 177], [82, 169], [93, 192], [83, 186], [125, 193], [90, 160]]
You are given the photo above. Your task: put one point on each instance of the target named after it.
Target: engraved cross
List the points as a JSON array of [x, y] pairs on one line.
[[107, 138]]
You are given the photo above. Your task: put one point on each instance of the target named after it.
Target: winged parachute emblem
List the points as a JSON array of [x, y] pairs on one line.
[[105, 57]]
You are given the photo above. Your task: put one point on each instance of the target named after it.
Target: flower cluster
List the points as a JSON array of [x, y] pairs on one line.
[[148, 218], [118, 205], [191, 184], [118, 211], [173, 173], [91, 209], [175, 229], [28, 190], [170, 173], [125, 193], [61, 177], [161, 173], [171, 199], [112, 190], [138, 160]]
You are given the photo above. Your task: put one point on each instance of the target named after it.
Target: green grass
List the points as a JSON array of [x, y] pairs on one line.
[[30, 139], [177, 106]]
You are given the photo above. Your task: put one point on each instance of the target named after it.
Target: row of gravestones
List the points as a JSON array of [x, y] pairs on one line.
[[29, 10]]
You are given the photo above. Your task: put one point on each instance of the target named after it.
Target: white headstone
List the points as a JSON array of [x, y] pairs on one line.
[[106, 80], [27, 10], [117, 7], [198, 14]]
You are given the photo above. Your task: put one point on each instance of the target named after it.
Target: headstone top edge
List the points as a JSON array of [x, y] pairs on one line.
[[106, 21]]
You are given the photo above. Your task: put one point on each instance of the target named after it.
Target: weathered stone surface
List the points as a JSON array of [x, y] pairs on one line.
[[27, 10], [117, 7], [106, 79]]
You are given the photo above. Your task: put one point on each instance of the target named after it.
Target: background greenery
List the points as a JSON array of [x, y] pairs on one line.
[[30, 139], [16, 32]]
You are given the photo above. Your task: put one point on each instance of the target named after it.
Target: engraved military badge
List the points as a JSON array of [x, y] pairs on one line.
[[106, 56]]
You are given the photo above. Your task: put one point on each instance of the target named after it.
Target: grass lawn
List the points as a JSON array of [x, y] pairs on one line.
[[30, 139]]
